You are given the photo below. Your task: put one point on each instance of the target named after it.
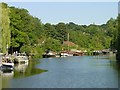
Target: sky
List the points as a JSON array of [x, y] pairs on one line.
[[118, 7], [77, 12]]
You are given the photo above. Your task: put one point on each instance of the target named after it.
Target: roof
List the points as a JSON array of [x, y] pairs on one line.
[[69, 43]]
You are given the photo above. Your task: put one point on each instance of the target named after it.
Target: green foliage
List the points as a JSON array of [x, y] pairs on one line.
[[5, 28], [29, 35], [37, 51], [118, 39], [26, 49], [113, 31], [52, 44], [61, 29], [25, 29]]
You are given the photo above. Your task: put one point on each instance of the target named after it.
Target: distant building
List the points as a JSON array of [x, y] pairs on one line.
[[68, 43]]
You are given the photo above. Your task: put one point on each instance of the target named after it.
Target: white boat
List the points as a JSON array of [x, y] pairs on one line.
[[65, 54], [21, 57], [49, 54], [7, 63]]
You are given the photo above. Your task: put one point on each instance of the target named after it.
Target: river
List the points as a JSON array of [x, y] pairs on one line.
[[68, 72]]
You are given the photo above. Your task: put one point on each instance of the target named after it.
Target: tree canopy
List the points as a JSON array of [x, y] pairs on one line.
[[27, 33]]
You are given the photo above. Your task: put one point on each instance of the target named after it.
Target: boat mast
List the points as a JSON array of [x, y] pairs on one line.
[[68, 41]]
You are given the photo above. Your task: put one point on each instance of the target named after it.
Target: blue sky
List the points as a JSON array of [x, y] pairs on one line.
[[77, 12]]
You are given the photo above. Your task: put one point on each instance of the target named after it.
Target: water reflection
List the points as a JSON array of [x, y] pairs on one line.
[[115, 64], [6, 77], [69, 72], [25, 70], [21, 70], [21, 67], [7, 73]]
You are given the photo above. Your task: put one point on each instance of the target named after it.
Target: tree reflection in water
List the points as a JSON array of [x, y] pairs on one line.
[[25, 69]]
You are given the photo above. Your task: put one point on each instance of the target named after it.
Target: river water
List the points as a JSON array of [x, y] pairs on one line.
[[68, 72]]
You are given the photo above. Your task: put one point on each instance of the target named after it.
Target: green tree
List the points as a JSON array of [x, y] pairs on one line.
[[5, 28], [52, 44], [118, 40]]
